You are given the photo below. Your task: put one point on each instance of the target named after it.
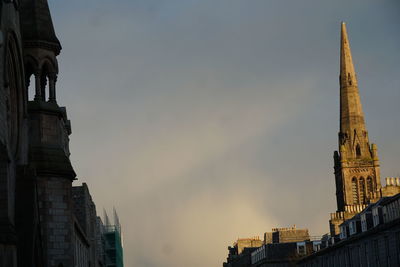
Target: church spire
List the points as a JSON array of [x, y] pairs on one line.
[[357, 171], [352, 121]]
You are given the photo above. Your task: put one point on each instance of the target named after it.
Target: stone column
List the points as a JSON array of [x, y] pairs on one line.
[[52, 87], [38, 90]]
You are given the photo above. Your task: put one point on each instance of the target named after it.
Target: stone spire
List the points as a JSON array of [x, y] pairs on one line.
[[357, 170], [37, 26], [352, 124]]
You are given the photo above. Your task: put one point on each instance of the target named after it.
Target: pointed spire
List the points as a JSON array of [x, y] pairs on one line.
[[347, 73], [37, 26], [351, 113]]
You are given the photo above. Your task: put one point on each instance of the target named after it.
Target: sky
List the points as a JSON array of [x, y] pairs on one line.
[[203, 121]]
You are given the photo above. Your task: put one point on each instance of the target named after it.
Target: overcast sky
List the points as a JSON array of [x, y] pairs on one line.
[[203, 121]]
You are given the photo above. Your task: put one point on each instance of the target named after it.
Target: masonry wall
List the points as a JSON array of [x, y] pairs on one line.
[[56, 221], [85, 213]]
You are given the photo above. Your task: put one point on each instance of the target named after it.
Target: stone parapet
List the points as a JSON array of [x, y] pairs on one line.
[[392, 181]]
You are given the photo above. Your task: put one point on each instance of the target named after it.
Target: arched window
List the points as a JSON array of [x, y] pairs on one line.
[[370, 185], [354, 186], [362, 190], [14, 98], [30, 80], [358, 151]]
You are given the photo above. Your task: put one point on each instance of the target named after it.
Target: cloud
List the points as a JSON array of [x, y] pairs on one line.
[[204, 121]]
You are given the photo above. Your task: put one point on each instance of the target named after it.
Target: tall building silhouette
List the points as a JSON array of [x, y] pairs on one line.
[[43, 221]]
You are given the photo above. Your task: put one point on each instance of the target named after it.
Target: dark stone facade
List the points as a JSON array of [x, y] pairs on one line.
[[85, 213]]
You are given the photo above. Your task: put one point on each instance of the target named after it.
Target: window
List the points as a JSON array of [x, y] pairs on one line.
[[362, 190], [354, 186], [370, 186], [358, 151], [13, 95], [301, 248]]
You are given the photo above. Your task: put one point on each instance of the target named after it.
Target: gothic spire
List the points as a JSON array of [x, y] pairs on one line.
[[351, 113], [37, 25]]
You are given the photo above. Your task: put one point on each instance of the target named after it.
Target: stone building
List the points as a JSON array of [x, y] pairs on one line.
[[357, 167], [285, 235], [239, 255], [87, 223], [280, 247], [375, 243], [283, 254], [40, 222]]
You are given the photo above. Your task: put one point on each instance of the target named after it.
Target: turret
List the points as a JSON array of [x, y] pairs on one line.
[[41, 47], [49, 125]]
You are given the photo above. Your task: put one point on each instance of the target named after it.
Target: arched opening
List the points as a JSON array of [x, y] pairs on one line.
[[30, 88], [362, 190], [358, 151], [44, 80], [30, 81], [370, 185], [48, 81], [354, 186]]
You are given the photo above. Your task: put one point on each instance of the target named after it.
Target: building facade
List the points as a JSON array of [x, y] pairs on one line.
[[87, 223], [239, 255], [286, 235], [371, 238], [283, 254]]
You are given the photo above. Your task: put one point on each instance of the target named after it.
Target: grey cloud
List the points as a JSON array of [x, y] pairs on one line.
[[204, 121]]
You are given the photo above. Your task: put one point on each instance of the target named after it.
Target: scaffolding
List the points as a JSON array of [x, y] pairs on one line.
[[113, 245]]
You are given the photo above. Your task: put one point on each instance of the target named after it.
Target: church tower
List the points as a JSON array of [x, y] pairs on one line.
[[357, 171], [44, 192]]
